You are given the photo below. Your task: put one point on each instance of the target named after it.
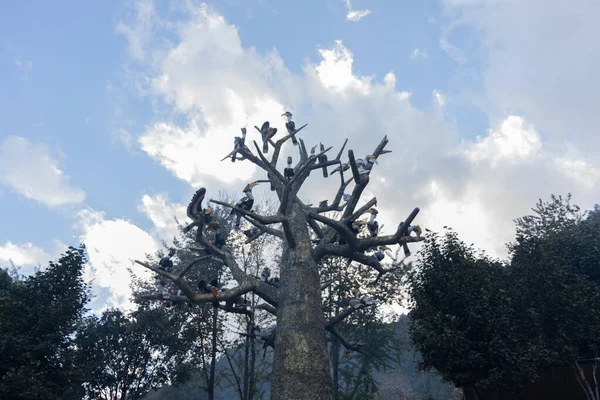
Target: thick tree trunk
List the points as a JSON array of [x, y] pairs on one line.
[[301, 365], [213, 358]]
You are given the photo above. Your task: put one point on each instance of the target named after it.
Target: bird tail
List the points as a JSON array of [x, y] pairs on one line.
[[265, 145], [294, 140], [325, 174]]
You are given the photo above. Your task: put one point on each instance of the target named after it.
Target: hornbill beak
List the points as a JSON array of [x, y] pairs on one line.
[[250, 186]]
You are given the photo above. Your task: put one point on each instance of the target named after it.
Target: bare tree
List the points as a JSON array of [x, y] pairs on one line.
[[301, 366]]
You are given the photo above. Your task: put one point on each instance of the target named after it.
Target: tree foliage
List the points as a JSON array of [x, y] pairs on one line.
[[483, 323], [125, 356], [38, 316]]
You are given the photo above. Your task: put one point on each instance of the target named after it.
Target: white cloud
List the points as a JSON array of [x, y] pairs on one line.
[[545, 70], [137, 36], [219, 85], [586, 175], [23, 254], [514, 141], [27, 256], [112, 245], [455, 53], [162, 214], [439, 99], [335, 71], [355, 15], [416, 53], [28, 168]]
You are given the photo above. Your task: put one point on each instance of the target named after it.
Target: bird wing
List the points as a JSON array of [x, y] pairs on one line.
[[271, 132]]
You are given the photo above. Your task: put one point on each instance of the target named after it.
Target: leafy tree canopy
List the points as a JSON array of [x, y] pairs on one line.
[[38, 315], [490, 324]]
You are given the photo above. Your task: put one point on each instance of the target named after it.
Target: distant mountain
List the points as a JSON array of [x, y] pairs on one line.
[[401, 382]]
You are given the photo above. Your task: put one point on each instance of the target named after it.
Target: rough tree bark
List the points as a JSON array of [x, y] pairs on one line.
[[301, 364]]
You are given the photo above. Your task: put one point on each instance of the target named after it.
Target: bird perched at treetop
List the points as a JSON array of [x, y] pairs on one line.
[[290, 126], [267, 132]]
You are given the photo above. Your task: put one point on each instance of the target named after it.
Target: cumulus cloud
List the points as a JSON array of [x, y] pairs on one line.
[[546, 69], [112, 247], [162, 213], [355, 15], [28, 168], [513, 141], [25, 254], [476, 186]]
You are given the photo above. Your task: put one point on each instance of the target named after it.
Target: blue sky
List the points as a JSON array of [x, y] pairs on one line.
[[112, 112]]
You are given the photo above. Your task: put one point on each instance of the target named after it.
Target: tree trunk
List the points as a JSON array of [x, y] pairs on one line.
[[249, 324], [301, 365], [252, 384], [335, 364], [213, 358], [583, 382]]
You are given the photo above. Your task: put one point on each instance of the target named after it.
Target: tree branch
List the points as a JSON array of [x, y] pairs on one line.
[[267, 308], [273, 219], [361, 181], [191, 264], [335, 205], [353, 167], [346, 251], [315, 227], [252, 285], [264, 165], [185, 299], [302, 150], [344, 342], [339, 227], [269, 167], [361, 210], [343, 315], [326, 284], [263, 229], [281, 141], [185, 288]]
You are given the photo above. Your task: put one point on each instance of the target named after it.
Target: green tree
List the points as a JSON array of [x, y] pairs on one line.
[[463, 317], [39, 315], [485, 324], [361, 343], [556, 266], [125, 356]]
